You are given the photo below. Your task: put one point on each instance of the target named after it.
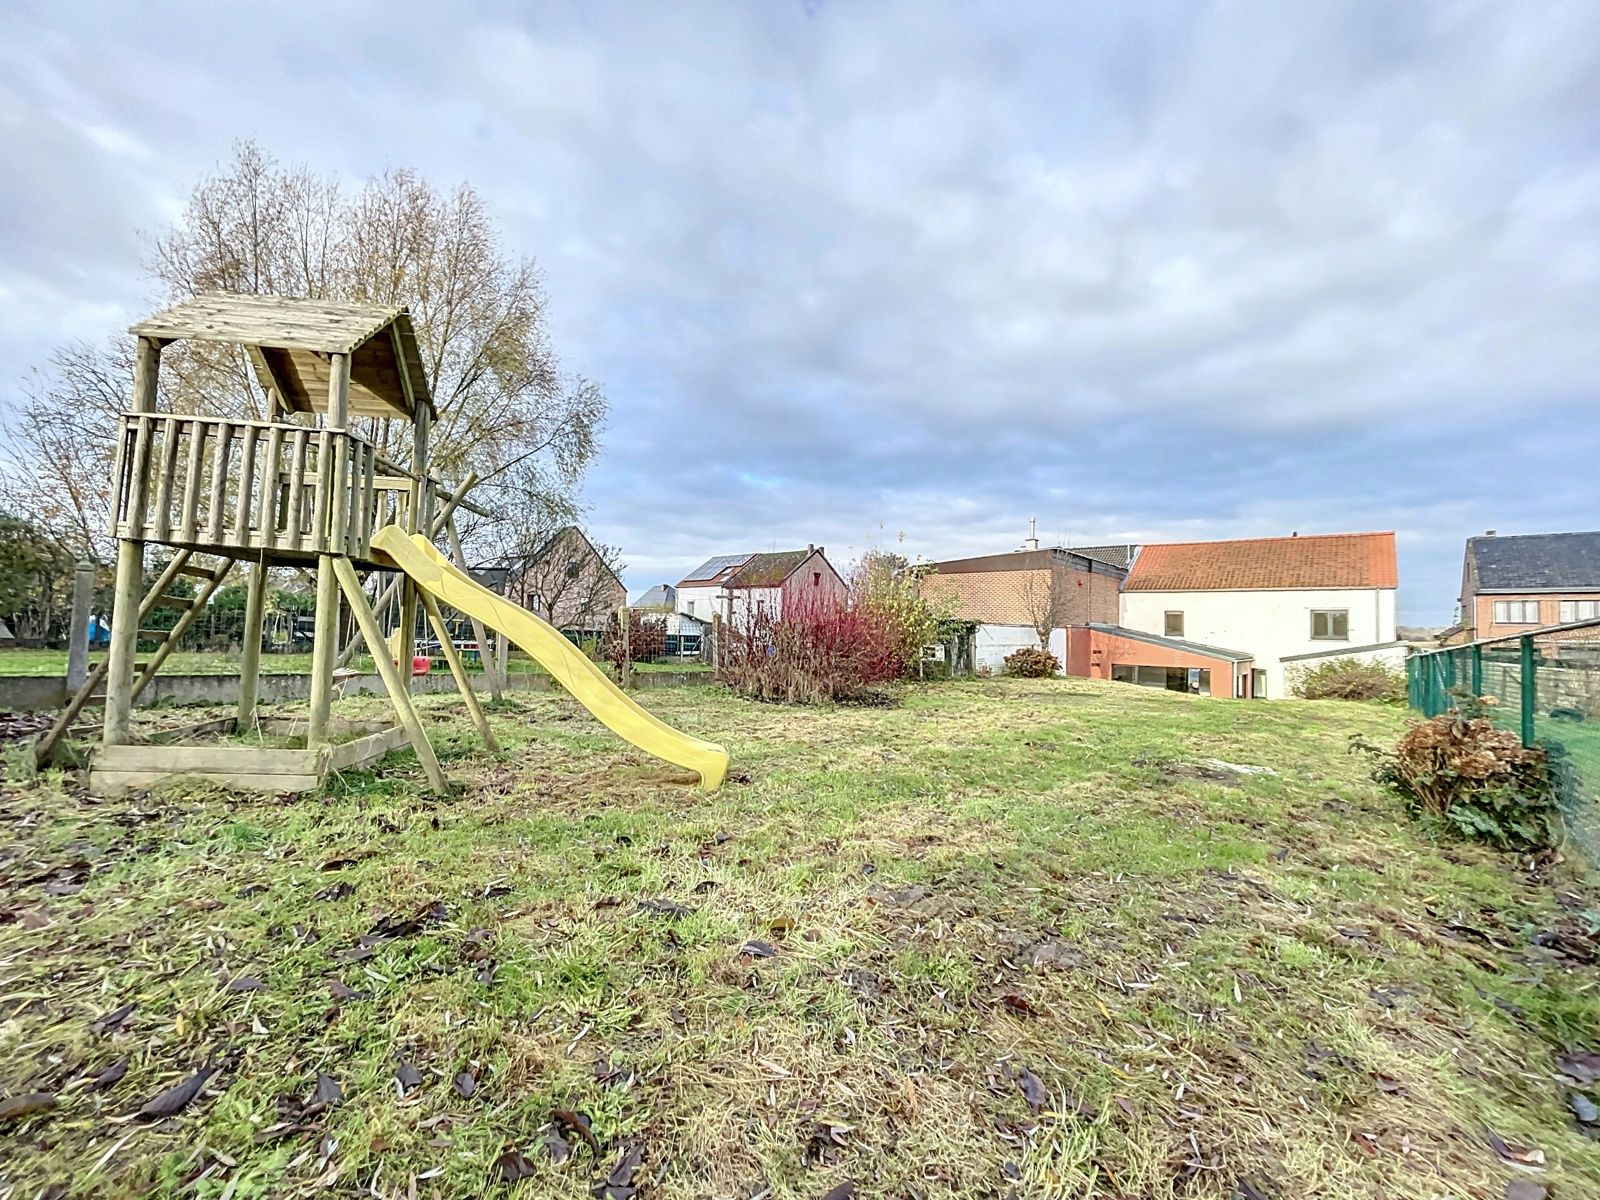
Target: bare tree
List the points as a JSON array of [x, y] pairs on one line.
[[1044, 603], [506, 410]]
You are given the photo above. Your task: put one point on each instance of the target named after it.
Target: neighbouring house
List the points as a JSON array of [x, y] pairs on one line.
[[737, 586], [685, 635], [1279, 603], [568, 582], [1518, 583], [1012, 597]]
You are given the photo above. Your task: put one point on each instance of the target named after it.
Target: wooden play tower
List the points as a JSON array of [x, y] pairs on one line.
[[299, 489]]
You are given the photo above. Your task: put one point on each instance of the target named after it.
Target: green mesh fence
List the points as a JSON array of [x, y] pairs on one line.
[[1543, 687]]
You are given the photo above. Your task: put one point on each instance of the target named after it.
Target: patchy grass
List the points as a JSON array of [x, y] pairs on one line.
[[1024, 939]]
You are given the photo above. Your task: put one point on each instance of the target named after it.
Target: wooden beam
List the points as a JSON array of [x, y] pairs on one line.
[[399, 696], [130, 564], [458, 669], [486, 653], [255, 609]]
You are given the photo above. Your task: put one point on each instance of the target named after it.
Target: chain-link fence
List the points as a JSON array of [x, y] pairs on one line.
[[1545, 687]]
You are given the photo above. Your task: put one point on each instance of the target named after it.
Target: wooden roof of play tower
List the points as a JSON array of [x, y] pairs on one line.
[[289, 342]]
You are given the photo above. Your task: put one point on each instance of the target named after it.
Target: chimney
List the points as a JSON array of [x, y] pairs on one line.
[[810, 549], [1488, 533], [1033, 534]]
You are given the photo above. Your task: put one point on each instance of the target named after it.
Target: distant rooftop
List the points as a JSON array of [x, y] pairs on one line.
[[1537, 562], [1330, 560]]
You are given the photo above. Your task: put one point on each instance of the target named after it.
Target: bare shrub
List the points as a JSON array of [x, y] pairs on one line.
[[1349, 679], [812, 654], [1029, 663]]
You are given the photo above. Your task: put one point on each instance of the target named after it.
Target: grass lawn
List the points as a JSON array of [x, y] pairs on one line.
[[1009, 938], [195, 662]]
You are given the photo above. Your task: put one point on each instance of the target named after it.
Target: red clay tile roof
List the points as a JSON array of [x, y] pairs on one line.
[[1330, 560]]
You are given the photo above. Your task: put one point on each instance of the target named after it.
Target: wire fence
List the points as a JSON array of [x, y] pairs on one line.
[[1543, 686]]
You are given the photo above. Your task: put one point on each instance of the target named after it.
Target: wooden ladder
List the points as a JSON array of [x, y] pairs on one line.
[[188, 607]]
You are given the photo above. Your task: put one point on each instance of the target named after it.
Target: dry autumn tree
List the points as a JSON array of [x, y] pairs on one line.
[[506, 410], [1043, 603]]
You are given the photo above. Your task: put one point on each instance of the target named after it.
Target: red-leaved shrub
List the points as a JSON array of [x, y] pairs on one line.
[[811, 654]]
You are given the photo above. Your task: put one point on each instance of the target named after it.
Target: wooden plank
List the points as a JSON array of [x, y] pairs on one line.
[[320, 497], [324, 643], [243, 503], [108, 782], [216, 514], [366, 749], [458, 671], [270, 496], [226, 759], [139, 479], [297, 484], [177, 733], [393, 682], [277, 321], [171, 438], [198, 432]]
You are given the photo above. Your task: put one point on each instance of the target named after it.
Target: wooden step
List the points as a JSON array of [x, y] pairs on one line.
[[154, 635], [197, 572], [168, 600]]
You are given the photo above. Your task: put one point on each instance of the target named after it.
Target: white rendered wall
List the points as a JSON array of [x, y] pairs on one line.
[[1266, 624]]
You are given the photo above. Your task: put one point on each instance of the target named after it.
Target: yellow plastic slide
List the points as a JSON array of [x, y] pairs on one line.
[[434, 573]]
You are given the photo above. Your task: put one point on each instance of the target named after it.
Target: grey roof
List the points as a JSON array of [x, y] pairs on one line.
[[1342, 651], [712, 567], [1153, 639], [1112, 556], [660, 596], [1536, 562]]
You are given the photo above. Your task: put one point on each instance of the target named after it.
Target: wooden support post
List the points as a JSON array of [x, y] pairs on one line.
[[416, 522], [78, 628], [130, 570], [486, 650], [458, 669], [393, 682], [255, 609], [625, 671], [332, 492]]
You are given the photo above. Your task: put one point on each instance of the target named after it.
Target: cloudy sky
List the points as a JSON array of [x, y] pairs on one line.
[[856, 270]]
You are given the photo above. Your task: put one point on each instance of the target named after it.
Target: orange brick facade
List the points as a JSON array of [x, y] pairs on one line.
[[1091, 653]]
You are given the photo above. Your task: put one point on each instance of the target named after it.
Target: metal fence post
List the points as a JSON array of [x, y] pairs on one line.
[[1527, 691], [1477, 670]]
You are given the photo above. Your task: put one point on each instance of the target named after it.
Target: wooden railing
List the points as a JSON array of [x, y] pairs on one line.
[[211, 483]]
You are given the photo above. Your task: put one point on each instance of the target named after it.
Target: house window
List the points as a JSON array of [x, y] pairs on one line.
[[572, 570], [1258, 684], [1579, 610], [1330, 624], [690, 607], [816, 579], [1516, 612], [1172, 624]]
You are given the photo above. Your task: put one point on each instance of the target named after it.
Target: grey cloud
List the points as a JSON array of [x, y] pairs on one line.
[[1143, 270]]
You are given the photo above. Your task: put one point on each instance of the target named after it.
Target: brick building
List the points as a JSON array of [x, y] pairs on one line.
[[1515, 584], [1011, 597]]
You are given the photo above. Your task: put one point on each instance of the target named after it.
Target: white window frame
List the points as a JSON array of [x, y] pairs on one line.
[[1331, 614], [1579, 610], [1166, 623], [1515, 612]]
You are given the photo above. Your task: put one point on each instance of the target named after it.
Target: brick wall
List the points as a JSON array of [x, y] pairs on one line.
[[1007, 597]]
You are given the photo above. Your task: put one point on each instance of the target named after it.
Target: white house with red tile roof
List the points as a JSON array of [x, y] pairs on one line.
[[1282, 601]]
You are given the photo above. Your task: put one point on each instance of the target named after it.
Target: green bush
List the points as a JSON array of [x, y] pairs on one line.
[[1478, 779], [1029, 663], [1349, 679]]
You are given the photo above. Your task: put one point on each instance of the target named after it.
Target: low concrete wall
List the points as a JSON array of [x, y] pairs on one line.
[[31, 693]]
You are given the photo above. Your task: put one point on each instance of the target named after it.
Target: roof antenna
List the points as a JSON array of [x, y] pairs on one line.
[[1033, 534]]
